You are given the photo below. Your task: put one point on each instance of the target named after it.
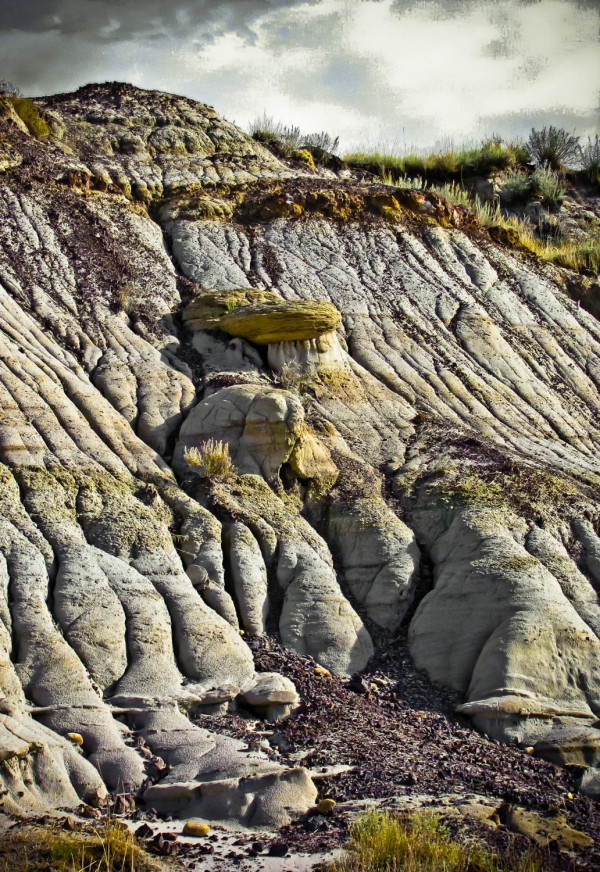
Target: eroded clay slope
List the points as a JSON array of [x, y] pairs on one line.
[[401, 398]]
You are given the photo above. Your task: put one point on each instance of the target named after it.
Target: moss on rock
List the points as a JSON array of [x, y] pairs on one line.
[[206, 310]]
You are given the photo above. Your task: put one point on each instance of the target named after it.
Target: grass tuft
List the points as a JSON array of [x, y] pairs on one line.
[[549, 187], [111, 847], [554, 147], [590, 159], [212, 459]]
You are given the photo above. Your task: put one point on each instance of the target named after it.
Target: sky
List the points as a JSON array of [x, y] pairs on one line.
[[398, 75]]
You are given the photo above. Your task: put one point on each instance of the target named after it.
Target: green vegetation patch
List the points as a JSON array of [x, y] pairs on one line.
[[491, 157], [212, 460], [383, 842], [29, 113], [528, 491]]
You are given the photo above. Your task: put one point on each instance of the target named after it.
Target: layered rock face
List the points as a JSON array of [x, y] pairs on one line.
[[400, 398]]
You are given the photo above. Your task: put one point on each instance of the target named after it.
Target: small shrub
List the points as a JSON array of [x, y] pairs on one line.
[[290, 141], [212, 459], [549, 187], [126, 298], [305, 157], [28, 113], [516, 187], [553, 146], [455, 194], [589, 157], [322, 141]]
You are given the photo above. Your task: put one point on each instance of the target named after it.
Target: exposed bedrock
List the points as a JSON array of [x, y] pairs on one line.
[[265, 428], [166, 281]]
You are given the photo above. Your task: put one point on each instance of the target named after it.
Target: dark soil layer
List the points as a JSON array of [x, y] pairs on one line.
[[402, 739]]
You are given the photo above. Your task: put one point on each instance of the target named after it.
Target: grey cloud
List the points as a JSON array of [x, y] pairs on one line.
[[110, 20], [441, 9]]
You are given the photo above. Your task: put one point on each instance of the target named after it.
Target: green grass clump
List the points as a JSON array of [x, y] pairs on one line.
[[549, 187], [112, 850], [29, 113], [590, 159], [111, 847], [382, 842], [516, 187]]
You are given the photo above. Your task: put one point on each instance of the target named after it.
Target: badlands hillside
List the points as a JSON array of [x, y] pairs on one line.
[[412, 415]]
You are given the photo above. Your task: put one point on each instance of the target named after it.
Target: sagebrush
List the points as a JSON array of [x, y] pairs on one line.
[[553, 146]]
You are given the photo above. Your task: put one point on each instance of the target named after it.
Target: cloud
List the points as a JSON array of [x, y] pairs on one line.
[[122, 20], [382, 72]]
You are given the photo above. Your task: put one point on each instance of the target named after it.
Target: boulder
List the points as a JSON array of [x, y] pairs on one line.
[[273, 694]]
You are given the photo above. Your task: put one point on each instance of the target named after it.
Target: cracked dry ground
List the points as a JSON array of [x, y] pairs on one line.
[[412, 413]]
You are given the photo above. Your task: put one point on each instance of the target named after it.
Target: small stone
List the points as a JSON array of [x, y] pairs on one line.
[[195, 828], [278, 849], [529, 749], [89, 812], [359, 685], [75, 737], [326, 806]]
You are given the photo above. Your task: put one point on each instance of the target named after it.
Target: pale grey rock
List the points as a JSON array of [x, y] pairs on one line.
[[316, 619], [379, 558], [442, 333], [589, 782], [222, 353], [273, 696], [526, 646], [215, 778], [324, 353], [249, 577], [259, 424], [270, 687]]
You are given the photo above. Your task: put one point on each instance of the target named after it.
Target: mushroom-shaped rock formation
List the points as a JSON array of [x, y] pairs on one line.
[[299, 333], [285, 321]]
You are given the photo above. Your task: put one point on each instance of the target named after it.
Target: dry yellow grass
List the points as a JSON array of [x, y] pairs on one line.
[[212, 459]]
